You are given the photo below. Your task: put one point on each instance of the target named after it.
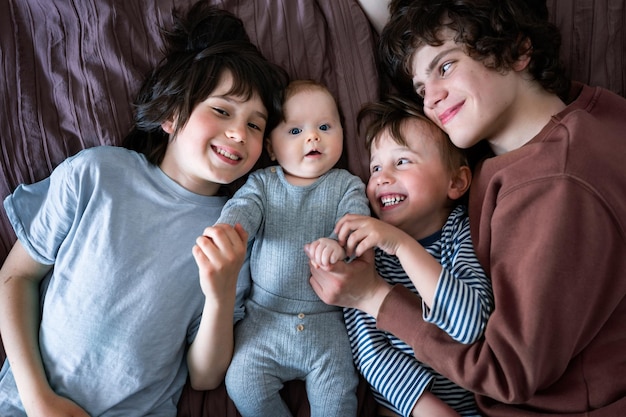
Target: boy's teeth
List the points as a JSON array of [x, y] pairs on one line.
[[389, 201], [228, 154]]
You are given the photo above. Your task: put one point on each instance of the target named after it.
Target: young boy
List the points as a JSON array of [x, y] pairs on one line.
[[422, 241], [547, 210], [288, 332]]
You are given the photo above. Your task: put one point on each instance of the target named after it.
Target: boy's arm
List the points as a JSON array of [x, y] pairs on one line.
[[464, 298], [20, 277], [430, 405], [396, 375]]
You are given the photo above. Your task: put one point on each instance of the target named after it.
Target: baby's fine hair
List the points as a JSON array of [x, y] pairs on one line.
[[495, 32], [298, 86], [390, 114], [199, 48]]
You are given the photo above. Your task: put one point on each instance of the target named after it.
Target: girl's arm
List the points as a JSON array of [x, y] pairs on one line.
[[20, 277], [219, 253]]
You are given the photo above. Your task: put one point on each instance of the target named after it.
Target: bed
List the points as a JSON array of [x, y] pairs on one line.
[[70, 69]]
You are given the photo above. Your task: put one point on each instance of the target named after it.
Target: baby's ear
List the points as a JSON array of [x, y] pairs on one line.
[[269, 148], [459, 183]]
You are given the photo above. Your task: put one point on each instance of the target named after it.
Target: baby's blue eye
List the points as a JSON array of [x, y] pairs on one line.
[[295, 130], [324, 127]]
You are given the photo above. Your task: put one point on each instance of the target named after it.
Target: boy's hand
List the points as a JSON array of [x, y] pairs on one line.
[[220, 253], [324, 251], [359, 233]]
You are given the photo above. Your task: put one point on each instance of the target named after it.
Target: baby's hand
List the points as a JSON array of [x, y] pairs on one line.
[[325, 251]]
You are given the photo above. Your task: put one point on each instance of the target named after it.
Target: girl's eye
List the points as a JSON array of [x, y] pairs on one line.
[[255, 127], [220, 111], [295, 130], [324, 127]]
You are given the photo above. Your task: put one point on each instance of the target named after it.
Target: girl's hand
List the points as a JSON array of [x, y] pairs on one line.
[[325, 251], [220, 253], [54, 405], [359, 233]]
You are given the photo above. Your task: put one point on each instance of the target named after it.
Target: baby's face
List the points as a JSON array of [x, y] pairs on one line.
[[309, 142]]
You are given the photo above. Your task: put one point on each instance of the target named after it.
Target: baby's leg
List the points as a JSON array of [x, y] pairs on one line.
[[253, 379], [332, 383]]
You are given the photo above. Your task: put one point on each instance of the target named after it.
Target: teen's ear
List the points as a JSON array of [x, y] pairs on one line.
[[460, 183], [526, 52], [270, 148]]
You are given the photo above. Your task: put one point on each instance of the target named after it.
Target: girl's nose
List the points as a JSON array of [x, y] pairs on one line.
[[237, 133]]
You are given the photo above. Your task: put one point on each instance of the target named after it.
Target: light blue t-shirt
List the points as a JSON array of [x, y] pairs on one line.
[[124, 298]]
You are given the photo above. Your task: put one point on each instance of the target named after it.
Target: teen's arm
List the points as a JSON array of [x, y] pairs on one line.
[[219, 253], [20, 277]]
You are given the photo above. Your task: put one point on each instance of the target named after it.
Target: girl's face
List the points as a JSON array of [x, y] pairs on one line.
[[221, 141], [309, 142], [467, 100], [408, 185]]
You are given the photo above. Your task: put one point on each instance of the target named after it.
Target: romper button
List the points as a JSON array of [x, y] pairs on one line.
[[301, 316], [299, 327]]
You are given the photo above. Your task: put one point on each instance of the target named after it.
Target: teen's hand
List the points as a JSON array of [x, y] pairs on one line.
[[355, 284], [360, 233], [220, 253], [325, 251]]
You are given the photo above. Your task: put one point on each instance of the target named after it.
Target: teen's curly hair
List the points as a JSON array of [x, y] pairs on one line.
[[495, 32]]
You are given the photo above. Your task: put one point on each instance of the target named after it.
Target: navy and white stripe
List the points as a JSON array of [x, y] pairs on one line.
[[462, 304]]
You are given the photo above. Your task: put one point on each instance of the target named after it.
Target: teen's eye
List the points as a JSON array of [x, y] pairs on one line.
[[295, 130], [445, 67], [324, 127]]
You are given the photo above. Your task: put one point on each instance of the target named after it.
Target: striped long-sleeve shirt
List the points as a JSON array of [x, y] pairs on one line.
[[462, 304]]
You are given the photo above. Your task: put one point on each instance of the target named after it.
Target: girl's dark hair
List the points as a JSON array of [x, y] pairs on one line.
[[199, 48], [389, 115], [495, 32]]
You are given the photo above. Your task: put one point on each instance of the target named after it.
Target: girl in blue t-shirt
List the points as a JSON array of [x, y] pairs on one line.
[[108, 239]]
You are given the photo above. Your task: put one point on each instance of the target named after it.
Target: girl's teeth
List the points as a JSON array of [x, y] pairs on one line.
[[227, 154]]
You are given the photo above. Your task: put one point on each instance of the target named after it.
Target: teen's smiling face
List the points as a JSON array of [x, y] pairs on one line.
[[467, 100], [408, 185], [221, 141]]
